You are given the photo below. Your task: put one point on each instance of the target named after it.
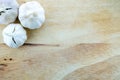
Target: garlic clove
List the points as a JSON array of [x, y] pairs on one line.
[[8, 11], [31, 15], [14, 35]]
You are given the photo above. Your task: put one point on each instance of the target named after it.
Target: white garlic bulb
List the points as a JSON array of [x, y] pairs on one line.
[[14, 35], [8, 11], [31, 15]]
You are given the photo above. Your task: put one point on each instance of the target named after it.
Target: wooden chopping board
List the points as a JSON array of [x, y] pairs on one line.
[[80, 40]]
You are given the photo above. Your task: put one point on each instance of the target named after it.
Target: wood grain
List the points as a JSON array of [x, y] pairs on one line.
[[80, 40]]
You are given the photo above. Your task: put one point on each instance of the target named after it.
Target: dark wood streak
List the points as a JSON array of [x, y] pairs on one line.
[[2, 66], [32, 44]]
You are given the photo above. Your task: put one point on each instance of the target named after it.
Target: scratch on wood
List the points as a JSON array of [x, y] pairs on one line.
[[32, 44]]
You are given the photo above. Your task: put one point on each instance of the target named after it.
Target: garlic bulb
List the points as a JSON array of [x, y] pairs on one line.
[[31, 15], [14, 35], [8, 11]]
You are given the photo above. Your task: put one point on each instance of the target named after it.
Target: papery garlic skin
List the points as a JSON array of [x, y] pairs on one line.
[[31, 15], [8, 11], [14, 35]]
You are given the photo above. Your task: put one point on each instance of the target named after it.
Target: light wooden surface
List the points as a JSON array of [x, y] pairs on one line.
[[80, 40]]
